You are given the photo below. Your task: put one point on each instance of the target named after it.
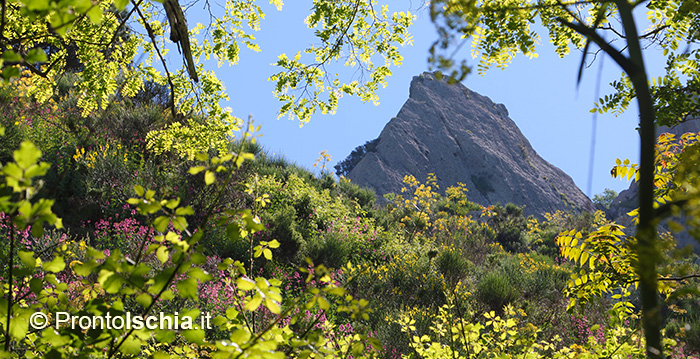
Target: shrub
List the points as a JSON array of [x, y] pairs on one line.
[[283, 227], [452, 264], [543, 277], [510, 238], [330, 249], [496, 290], [365, 197], [509, 224]]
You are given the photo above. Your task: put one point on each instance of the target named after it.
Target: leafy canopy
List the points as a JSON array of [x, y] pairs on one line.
[[499, 30], [117, 46]]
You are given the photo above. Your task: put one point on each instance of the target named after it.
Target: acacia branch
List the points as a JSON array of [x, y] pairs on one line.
[[160, 56], [654, 32], [615, 31], [126, 18], [678, 279], [10, 280], [666, 209], [592, 35], [548, 6], [647, 250], [2, 23], [329, 55]]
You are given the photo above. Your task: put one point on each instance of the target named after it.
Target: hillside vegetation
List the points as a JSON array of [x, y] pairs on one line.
[[132, 224], [293, 264]]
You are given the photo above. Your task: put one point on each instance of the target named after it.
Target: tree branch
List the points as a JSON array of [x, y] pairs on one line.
[[592, 35], [681, 278], [2, 25], [160, 56], [126, 18]]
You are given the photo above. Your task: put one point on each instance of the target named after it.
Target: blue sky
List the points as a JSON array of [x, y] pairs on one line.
[[541, 95]]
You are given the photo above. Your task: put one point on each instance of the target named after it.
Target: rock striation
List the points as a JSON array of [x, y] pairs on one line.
[[462, 136]]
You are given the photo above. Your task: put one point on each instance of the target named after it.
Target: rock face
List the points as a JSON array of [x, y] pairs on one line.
[[462, 136]]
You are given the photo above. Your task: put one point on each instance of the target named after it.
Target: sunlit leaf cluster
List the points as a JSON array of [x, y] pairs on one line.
[[354, 33]]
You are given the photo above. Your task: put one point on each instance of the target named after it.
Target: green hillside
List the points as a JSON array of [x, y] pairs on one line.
[[309, 262]]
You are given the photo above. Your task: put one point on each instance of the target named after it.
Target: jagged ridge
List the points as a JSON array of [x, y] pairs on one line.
[[462, 136]]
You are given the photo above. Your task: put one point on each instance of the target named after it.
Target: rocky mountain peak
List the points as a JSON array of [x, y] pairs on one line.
[[462, 136]]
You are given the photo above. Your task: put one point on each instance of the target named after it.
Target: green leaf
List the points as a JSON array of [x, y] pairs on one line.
[[199, 274], [26, 155], [94, 253], [231, 313], [162, 254], [180, 223], [36, 56], [19, 326], [245, 283], [209, 178], [54, 266], [37, 5], [233, 231], [160, 224], [36, 170], [184, 211], [272, 305], [165, 336], [253, 303], [323, 303], [95, 14], [10, 72], [131, 346], [120, 4], [194, 336], [139, 190], [144, 299], [195, 170], [172, 204], [11, 56], [240, 337], [110, 281], [27, 258], [188, 288], [36, 285]]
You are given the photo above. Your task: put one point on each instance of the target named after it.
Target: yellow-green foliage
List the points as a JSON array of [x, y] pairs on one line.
[[112, 282], [417, 209], [407, 277], [607, 256], [510, 335], [91, 157], [192, 138], [324, 207]]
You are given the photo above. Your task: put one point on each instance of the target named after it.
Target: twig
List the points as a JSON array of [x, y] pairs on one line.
[[126, 18], [160, 56], [681, 278]]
